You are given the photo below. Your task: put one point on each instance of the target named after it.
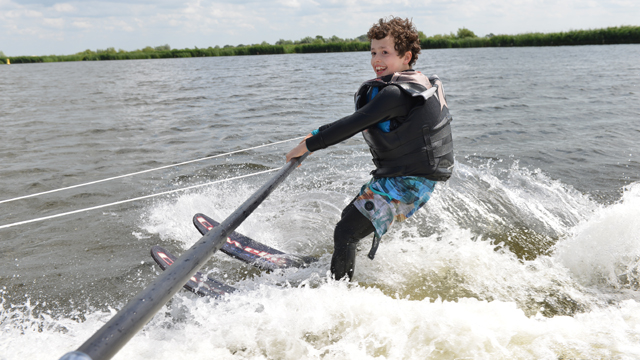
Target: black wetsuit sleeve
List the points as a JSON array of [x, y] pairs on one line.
[[389, 103]]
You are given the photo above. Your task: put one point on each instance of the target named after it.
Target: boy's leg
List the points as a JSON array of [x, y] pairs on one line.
[[350, 229]]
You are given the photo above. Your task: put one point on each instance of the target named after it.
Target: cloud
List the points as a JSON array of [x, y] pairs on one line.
[[82, 24], [289, 3], [64, 8], [57, 23]]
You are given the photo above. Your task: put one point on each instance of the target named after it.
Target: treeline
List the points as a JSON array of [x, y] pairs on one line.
[[320, 40], [464, 38], [305, 45], [89, 55]]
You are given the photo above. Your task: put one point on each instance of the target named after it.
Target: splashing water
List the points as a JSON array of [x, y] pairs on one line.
[[441, 293]]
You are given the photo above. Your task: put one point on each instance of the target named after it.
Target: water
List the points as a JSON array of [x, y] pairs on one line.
[[530, 251]]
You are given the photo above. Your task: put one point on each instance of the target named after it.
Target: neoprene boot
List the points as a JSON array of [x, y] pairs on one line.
[[344, 262]]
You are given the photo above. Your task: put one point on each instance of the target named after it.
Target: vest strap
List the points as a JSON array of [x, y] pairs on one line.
[[417, 142], [405, 160], [443, 150], [441, 134], [437, 146]]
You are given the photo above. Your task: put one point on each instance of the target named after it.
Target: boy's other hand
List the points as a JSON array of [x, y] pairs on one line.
[[299, 150]]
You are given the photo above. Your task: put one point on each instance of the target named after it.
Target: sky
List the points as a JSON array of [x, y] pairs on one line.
[[46, 27]]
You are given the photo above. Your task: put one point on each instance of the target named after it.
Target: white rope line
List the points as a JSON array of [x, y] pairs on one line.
[[134, 199], [144, 171]]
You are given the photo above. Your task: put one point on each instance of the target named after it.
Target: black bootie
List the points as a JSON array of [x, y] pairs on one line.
[[343, 263]]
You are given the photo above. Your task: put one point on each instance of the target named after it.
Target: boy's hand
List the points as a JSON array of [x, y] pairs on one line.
[[299, 150]]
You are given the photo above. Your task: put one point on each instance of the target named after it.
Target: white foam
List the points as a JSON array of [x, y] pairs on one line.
[[340, 321], [605, 249]]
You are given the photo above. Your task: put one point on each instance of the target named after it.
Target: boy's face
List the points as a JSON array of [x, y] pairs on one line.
[[385, 59]]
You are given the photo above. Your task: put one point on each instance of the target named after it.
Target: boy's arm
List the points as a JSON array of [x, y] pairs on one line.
[[389, 103]]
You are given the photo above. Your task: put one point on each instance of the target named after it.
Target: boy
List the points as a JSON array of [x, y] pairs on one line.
[[404, 118]]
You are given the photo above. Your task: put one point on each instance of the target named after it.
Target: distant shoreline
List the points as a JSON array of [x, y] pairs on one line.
[[464, 39]]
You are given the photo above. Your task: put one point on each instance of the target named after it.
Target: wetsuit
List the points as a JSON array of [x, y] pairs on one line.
[[375, 207], [390, 102]]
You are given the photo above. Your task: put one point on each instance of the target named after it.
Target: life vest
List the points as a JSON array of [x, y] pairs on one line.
[[419, 144]]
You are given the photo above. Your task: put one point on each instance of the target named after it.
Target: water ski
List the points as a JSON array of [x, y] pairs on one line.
[[199, 283], [251, 251]]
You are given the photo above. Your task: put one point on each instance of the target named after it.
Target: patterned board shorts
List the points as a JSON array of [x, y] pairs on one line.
[[386, 200]]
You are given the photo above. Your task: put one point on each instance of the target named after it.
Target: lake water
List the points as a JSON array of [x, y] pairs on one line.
[[530, 251]]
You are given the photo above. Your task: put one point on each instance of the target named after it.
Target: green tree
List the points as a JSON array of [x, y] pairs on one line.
[[443, 36], [305, 40], [148, 49], [107, 51], [465, 33], [363, 38], [164, 47], [2, 54], [421, 36], [284, 42]]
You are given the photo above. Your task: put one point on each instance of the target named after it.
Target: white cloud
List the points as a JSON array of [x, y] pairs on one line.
[[20, 13], [64, 8], [57, 23], [82, 24], [125, 26], [289, 3]]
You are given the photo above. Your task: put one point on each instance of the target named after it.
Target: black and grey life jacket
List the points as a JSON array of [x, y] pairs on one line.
[[419, 144]]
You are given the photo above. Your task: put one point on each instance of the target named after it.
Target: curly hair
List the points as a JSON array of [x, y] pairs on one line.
[[403, 32]]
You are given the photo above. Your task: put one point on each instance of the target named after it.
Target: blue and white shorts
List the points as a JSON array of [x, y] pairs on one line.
[[385, 200]]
